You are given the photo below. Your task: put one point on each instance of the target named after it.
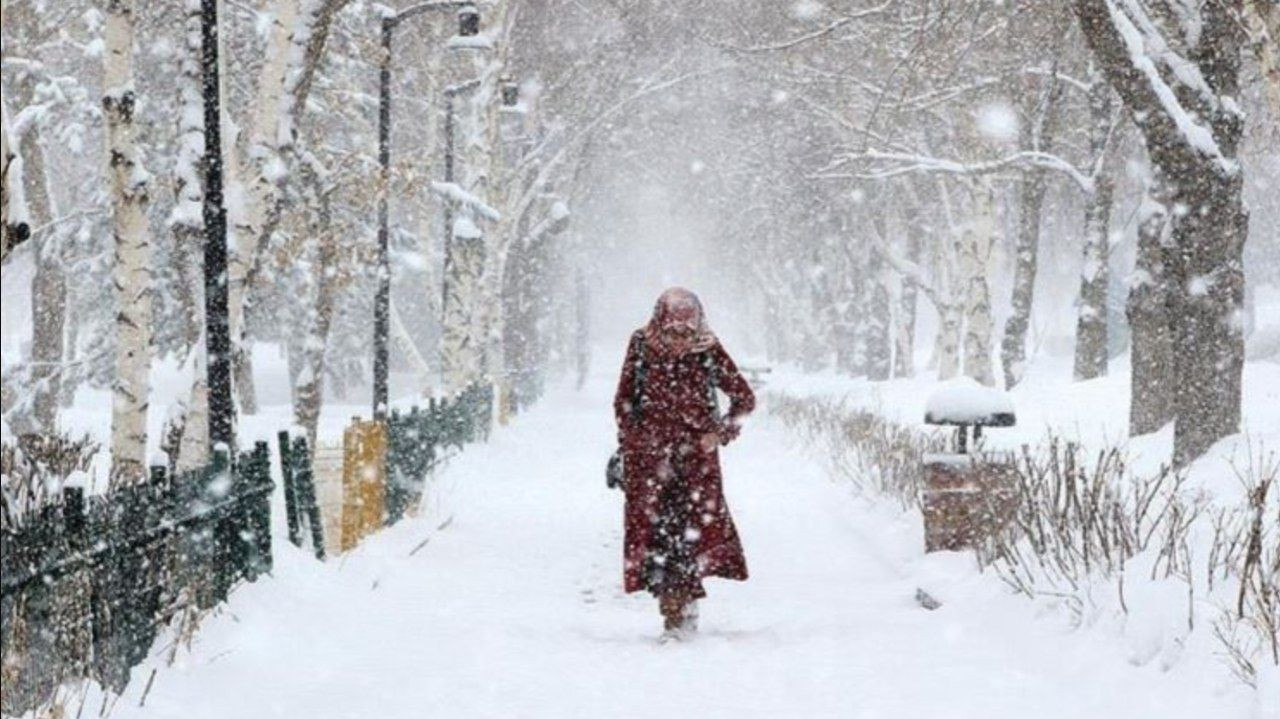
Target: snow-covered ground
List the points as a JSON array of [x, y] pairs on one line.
[[513, 608]]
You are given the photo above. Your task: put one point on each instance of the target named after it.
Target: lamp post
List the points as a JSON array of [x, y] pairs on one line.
[[217, 323], [468, 26]]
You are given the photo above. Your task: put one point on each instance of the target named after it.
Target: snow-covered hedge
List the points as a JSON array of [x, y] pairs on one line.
[[1173, 569]]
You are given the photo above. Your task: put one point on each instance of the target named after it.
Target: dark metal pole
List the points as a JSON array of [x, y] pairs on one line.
[[217, 322], [448, 206], [382, 301]]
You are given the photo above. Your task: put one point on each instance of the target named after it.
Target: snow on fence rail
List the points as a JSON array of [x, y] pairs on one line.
[[86, 582]]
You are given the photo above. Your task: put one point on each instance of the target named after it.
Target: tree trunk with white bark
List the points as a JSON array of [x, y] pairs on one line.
[[265, 169], [299, 33], [975, 253], [132, 270], [308, 388]]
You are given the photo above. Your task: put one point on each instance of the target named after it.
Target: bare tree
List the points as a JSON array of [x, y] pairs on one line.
[[1178, 74]]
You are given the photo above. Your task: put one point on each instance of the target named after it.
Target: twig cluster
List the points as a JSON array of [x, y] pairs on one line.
[[34, 468]]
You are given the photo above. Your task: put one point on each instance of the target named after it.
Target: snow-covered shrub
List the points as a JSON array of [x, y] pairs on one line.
[[876, 455], [1082, 516], [1140, 551], [35, 467]]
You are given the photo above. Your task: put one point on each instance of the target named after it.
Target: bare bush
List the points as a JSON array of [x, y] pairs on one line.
[[1247, 553], [874, 454], [1082, 518]]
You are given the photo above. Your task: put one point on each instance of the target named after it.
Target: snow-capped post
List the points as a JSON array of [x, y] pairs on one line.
[[468, 26], [216, 310], [965, 495]]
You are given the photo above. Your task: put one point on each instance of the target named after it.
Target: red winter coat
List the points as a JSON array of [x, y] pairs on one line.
[[662, 446]]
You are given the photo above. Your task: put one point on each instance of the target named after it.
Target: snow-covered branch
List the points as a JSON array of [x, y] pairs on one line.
[[454, 193], [818, 34], [905, 163]]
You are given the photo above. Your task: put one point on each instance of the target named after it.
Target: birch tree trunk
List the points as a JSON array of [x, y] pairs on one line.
[[860, 297], [947, 349], [486, 152], [265, 169], [905, 317], [131, 273], [11, 215], [472, 284], [1013, 346], [299, 33], [309, 385], [187, 223], [979, 238], [460, 345], [947, 289], [193, 446], [7, 157], [1150, 322]]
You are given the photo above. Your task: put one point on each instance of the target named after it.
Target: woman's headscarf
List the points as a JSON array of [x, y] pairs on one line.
[[678, 308]]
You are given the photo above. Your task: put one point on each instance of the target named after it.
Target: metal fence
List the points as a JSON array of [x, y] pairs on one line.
[[420, 437], [86, 582]]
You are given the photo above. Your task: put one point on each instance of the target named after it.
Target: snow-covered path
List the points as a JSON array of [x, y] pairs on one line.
[[513, 609]]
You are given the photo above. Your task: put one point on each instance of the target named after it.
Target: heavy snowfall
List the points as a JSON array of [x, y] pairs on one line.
[[625, 358]]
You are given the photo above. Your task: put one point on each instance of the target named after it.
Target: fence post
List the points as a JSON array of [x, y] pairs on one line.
[[290, 489], [401, 440], [256, 511], [218, 485], [73, 516], [307, 495]]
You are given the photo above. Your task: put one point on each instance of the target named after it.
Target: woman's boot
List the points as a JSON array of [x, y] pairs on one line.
[[679, 617], [672, 612], [689, 617]]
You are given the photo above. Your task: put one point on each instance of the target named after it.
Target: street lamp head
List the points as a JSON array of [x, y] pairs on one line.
[[510, 92], [468, 21]]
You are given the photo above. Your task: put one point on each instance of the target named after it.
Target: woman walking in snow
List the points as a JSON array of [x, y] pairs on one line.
[[678, 528]]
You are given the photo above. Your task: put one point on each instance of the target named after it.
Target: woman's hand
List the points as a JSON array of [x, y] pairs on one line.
[[709, 441], [730, 430], [726, 433]]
